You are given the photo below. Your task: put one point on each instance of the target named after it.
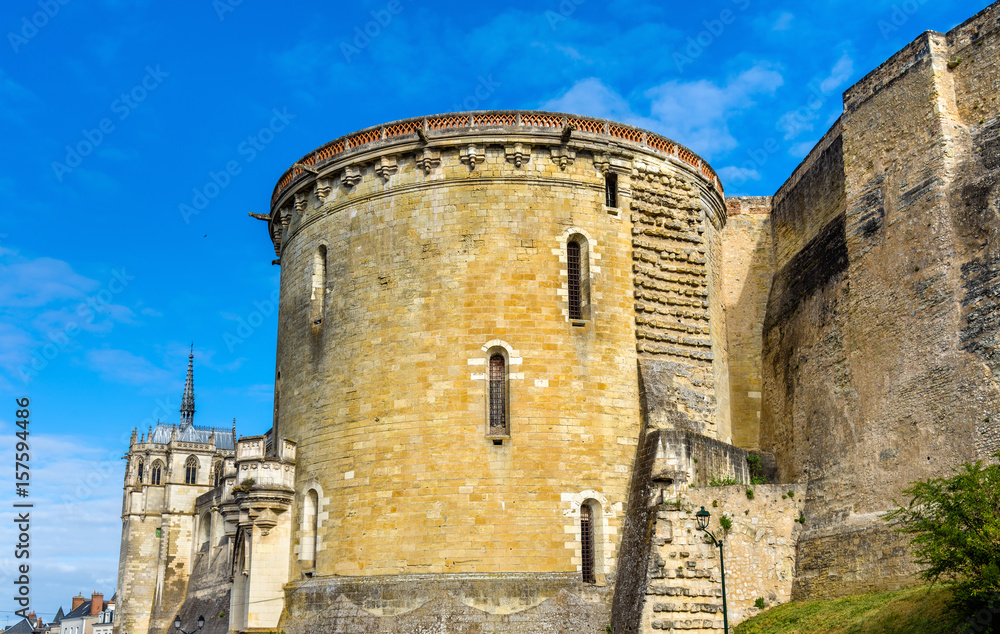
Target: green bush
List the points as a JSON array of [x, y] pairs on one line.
[[954, 524], [759, 603], [726, 523]]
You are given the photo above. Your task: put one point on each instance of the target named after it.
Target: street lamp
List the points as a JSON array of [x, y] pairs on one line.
[[702, 518], [177, 624]]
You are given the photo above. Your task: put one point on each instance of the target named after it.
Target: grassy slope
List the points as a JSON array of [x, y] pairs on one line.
[[917, 610]]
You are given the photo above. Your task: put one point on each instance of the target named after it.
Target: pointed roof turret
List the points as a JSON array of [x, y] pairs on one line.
[[187, 402]]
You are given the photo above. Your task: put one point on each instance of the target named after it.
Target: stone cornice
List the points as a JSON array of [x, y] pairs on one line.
[[554, 136]]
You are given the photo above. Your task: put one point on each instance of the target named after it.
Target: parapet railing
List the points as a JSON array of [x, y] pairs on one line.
[[529, 119]]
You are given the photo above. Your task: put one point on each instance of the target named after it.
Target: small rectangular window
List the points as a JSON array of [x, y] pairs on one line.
[[611, 190]]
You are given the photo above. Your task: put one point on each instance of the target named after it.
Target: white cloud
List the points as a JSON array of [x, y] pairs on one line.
[[694, 113], [796, 122], [121, 366], [34, 283], [841, 72], [738, 175], [784, 22]]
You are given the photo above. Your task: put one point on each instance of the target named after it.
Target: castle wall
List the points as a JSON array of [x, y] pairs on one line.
[[881, 327], [209, 586], [436, 255], [747, 271], [671, 574]]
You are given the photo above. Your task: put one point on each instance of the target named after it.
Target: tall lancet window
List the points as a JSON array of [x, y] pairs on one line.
[[310, 523], [587, 543], [578, 278], [573, 271], [191, 470], [318, 286], [155, 473], [498, 394], [138, 471]]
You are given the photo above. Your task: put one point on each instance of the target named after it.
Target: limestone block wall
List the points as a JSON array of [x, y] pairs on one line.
[[668, 464], [435, 256], [409, 258], [209, 586], [672, 245], [747, 273], [684, 590], [880, 331]]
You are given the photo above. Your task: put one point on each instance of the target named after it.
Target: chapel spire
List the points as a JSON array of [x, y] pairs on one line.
[[187, 402]]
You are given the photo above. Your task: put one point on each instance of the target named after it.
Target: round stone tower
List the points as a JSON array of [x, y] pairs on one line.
[[467, 302]]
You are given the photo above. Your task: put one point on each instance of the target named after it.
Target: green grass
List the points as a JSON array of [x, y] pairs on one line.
[[919, 610]]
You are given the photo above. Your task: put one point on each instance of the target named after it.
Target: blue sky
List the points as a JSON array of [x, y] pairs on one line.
[[116, 114]]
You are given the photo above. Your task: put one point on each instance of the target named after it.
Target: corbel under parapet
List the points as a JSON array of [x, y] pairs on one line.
[[351, 176], [323, 189], [428, 159], [386, 167], [562, 156], [518, 154], [472, 155], [301, 201]]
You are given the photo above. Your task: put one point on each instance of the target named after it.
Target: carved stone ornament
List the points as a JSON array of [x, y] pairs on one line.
[[351, 176], [386, 167], [301, 202], [473, 155], [428, 159], [323, 189], [602, 162], [563, 156], [519, 154]]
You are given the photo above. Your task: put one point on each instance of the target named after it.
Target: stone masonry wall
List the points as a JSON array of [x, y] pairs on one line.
[[747, 273], [438, 254], [684, 584], [881, 326], [673, 326]]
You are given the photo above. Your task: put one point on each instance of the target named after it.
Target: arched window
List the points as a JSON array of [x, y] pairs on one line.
[[217, 474], [578, 278], [498, 394], [155, 472], [318, 286], [191, 470], [138, 471], [310, 524], [587, 543], [573, 271]]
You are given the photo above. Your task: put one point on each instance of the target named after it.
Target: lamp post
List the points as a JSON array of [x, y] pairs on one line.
[[177, 624], [703, 517]]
